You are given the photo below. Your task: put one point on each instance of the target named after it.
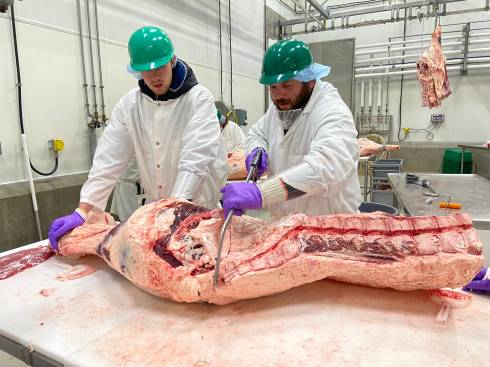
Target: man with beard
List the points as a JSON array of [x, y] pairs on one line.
[[307, 138]]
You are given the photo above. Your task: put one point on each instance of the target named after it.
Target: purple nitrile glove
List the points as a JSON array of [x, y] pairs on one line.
[[62, 225], [241, 196], [263, 161], [480, 283]]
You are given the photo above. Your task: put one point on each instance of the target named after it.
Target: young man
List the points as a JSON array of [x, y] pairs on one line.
[[169, 124], [307, 138]]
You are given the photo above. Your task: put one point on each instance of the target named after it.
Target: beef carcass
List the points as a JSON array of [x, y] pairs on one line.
[[432, 73], [168, 248], [368, 147], [236, 165]]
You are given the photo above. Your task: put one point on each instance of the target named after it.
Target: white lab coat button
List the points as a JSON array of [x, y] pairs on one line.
[[159, 187], [158, 143], [158, 166]]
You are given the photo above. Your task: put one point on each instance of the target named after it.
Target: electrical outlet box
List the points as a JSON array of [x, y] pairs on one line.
[[437, 118], [56, 145]]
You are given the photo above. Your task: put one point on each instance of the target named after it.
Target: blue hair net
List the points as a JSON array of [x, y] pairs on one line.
[[313, 72]]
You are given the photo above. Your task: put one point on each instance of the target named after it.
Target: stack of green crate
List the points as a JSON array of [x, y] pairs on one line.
[[452, 161]]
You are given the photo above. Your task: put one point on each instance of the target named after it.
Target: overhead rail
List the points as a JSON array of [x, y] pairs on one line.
[[353, 14]]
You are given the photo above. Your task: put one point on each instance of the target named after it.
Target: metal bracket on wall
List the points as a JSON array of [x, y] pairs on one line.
[[466, 42]]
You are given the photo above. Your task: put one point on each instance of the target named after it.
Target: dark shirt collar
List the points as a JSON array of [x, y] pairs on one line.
[[183, 79]]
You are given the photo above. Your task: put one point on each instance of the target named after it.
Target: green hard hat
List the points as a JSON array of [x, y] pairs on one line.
[[149, 48], [283, 60]]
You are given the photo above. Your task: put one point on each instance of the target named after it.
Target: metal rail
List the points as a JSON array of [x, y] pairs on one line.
[[423, 8]]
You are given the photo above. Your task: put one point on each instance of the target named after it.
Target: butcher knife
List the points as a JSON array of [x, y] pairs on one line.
[[252, 175]]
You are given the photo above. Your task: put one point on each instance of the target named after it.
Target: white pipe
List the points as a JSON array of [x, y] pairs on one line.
[[416, 40], [413, 71], [486, 40], [482, 66], [386, 58], [31, 184], [380, 85], [413, 64], [362, 94], [479, 34], [417, 47], [370, 95], [479, 49]]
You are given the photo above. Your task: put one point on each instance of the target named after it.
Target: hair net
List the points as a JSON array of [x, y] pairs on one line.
[[313, 72]]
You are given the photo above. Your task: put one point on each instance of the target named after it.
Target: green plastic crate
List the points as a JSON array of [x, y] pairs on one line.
[[452, 161], [454, 155], [456, 168]]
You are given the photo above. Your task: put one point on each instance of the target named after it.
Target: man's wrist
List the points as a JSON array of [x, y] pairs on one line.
[[273, 191]]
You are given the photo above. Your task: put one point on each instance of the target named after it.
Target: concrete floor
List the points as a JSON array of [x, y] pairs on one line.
[[6, 360]]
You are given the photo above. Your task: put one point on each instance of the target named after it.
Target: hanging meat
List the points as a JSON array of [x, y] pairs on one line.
[[432, 73]]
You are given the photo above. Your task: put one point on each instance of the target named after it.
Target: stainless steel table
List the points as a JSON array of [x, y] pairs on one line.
[[465, 146], [472, 191]]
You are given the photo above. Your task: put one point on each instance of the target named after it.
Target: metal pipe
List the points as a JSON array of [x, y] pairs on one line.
[[479, 49], [405, 72], [318, 8], [231, 56], [399, 65], [479, 66], [466, 33], [381, 21], [220, 54], [414, 64], [451, 52], [373, 9], [367, 52], [31, 184], [369, 45], [386, 58], [362, 95], [370, 97], [91, 62], [266, 95], [101, 84], [306, 17], [308, 14], [486, 40], [82, 57], [380, 86]]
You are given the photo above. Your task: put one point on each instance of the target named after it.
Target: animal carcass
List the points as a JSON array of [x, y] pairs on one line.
[[168, 248], [432, 73]]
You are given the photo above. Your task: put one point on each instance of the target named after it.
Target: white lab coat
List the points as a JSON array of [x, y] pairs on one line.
[[234, 137], [125, 196], [177, 144], [318, 154]]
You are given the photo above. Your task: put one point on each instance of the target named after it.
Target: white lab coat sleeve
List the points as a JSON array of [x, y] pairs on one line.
[[201, 144], [257, 136], [112, 156], [334, 154], [237, 136]]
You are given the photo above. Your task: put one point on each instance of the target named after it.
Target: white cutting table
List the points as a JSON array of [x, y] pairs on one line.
[[103, 320]]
